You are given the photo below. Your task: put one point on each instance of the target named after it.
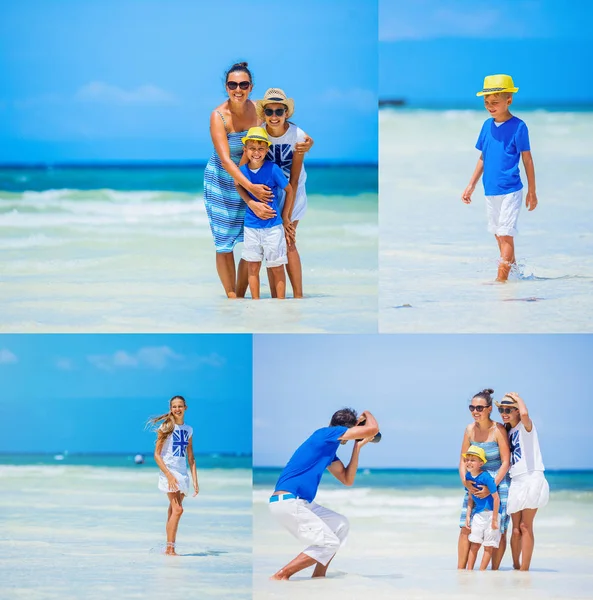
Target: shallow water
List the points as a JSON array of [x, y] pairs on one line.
[[437, 260], [74, 532], [403, 543], [127, 260]]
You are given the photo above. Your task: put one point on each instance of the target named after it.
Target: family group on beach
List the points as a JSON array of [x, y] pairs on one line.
[[500, 466], [254, 187]]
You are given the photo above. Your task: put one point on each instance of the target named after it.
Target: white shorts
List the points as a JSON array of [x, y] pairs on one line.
[[268, 243], [482, 532], [324, 530], [503, 213], [529, 490], [182, 482]]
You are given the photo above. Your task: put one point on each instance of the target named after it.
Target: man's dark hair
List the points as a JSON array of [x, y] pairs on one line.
[[346, 417]]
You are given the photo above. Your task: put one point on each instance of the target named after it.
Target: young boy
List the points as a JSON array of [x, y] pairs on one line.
[[484, 524], [503, 140], [265, 238]]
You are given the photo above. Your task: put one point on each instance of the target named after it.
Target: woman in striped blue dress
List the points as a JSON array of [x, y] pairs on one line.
[[492, 437], [229, 122]]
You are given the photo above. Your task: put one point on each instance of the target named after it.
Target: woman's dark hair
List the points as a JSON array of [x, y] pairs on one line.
[[485, 395], [238, 67], [346, 417]]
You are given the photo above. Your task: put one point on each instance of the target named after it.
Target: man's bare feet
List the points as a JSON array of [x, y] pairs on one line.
[[279, 576]]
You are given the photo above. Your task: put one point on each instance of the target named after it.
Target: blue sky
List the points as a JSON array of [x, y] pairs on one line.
[[437, 52], [418, 387], [105, 80], [94, 393]]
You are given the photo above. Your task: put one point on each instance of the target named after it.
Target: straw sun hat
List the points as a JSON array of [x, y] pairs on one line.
[[274, 96], [259, 134], [476, 451], [508, 401], [498, 84]]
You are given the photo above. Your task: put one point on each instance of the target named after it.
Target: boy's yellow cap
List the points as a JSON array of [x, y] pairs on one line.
[[476, 451], [256, 133], [498, 84]]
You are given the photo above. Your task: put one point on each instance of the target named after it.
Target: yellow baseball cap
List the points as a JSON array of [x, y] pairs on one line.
[[256, 133], [476, 451], [498, 84]]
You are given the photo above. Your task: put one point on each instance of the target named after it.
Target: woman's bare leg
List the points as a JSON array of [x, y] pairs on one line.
[[175, 512], [463, 547], [295, 269], [225, 265], [527, 537], [242, 279], [498, 553], [516, 540]]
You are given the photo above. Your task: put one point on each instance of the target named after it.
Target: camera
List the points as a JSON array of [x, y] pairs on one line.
[[376, 439]]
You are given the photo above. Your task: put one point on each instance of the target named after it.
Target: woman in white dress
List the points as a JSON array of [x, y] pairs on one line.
[[529, 489], [173, 452]]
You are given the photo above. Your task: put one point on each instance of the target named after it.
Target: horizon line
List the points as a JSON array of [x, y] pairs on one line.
[[451, 469]]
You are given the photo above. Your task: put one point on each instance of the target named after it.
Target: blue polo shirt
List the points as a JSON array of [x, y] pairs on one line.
[[302, 473], [487, 503], [501, 148], [271, 175]]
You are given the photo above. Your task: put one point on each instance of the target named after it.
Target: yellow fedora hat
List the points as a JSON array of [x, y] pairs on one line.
[[258, 134], [498, 84], [476, 451]]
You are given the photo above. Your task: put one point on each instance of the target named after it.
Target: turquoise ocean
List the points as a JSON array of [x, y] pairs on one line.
[[127, 248], [437, 260], [93, 527], [403, 540]]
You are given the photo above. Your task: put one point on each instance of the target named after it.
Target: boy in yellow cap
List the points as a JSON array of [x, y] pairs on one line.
[[484, 521], [503, 140], [265, 238]]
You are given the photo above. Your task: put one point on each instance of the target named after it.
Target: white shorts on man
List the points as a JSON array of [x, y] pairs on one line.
[[267, 243], [481, 530], [503, 213], [323, 529]]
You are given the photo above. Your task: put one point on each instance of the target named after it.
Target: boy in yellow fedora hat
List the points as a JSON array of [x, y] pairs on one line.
[[503, 140], [484, 520], [265, 238]]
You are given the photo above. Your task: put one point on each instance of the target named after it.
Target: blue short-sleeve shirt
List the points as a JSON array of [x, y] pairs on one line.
[[302, 473], [501, 148], [487, 503], [271, 175]]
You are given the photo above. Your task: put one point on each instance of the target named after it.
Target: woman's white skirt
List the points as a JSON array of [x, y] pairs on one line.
[[529, 490], [182, 482]]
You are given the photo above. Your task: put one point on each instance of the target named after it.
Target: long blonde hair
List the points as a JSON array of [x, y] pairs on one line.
[[167, 420]]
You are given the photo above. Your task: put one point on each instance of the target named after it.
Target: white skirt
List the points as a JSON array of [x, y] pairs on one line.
[[529, 490], [182, 482]]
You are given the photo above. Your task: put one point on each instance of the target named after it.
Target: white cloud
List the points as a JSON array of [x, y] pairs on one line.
[[99, 91], [153, 357], [64, 364], [357, 98], [7, 357]]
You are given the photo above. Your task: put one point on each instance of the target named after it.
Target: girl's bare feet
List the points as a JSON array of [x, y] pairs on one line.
[[170, 551]]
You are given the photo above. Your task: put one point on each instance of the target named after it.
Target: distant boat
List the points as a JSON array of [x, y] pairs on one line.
[[392, 102], [59, 457], [139, 459]]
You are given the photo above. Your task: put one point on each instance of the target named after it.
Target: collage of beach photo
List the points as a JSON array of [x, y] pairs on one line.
[[296, 300]]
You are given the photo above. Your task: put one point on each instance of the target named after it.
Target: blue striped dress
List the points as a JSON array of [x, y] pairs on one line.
[[224, 206], [492, 465]]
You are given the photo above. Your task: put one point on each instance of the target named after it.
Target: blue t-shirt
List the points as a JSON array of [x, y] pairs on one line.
[[487, 503], [302, 473], [501, 149], [271, 175]]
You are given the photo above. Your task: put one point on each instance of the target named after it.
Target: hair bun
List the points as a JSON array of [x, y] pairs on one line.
[[488, 391], [241, 64]]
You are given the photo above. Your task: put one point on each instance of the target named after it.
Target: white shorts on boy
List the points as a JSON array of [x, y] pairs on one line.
[[324, 530], [482, 532], [267, 243], [503, 213], [529, 490]]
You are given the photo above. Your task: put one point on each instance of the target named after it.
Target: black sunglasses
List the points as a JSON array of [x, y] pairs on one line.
[[505, 411], [233, 85], [478, 408], [270, 111]]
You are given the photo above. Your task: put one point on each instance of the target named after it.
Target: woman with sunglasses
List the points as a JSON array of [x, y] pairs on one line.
[[529, 489], [492, 438], [229, 122]]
